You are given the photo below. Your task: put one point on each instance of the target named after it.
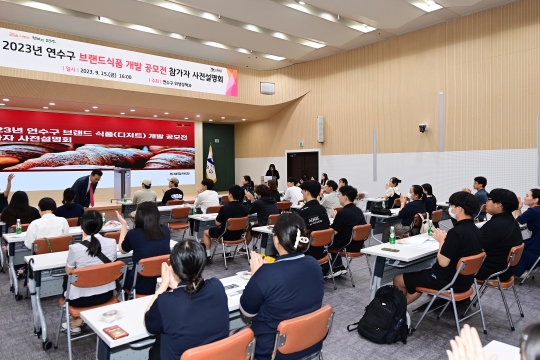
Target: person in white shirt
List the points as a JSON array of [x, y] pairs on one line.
[[207, 197], [331, 197], [293, 193], [49, 225]]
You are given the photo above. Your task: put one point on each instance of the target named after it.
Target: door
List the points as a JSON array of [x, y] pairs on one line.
[[303, 164]]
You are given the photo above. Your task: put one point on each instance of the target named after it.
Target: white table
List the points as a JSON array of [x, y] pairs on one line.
[[443, 204], [380, 218], [50, 261], [13, 239], [502, 350], [410, 257], [132, 322]]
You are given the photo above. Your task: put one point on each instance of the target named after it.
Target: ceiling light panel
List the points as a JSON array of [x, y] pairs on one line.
[[426, 5]]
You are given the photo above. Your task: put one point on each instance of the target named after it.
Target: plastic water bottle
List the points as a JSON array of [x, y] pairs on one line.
[[158, 283], [18, 228], [384, 204], [430, 229], [125, 198], [194, 212], [392, 239], [104, 220]]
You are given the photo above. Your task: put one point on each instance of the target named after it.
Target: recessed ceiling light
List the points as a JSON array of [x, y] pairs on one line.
[[86, 110], [427, 6], [122, 113], [2, 104], [166, 113], [210, 120], [94, 107], [132, 110], [52, 104], [223, 117], [302, 3], [243, 119], [185, 118], [45, 107], [274, 57], [155, 115], [198, 115], [5, 99]]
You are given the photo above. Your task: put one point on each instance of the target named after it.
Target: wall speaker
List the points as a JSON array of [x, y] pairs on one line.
[[267, 88], [320, 129]]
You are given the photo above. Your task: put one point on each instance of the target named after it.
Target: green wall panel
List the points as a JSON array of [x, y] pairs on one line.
[[223, 153]]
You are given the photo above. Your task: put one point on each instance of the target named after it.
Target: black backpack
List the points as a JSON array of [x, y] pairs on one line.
[[385, 319]]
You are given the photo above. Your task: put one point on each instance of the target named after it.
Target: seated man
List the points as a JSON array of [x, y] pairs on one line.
[[499, 234], [206, 196], [145, 194], [462, 240], [344, 221], [174, 193], [331, 197], [314, 215], [479, 185], [234, 209], [49, 225], [293, 193]]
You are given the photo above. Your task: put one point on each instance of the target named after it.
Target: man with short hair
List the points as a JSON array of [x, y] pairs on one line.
[[48, 225], [144, 194], [293, 193], [85, 187], [173, 193], [331, 197], [499, 234], [344, 221], [234, 209], [481, 194], [207, 196]]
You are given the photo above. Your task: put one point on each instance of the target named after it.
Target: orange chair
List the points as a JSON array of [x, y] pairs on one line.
[[225, 199], [324, 238], [436, 216], [272, 219], [213, 209], [88, 277], [397, 203], [284, 206], [233, 224], [189, 201], [338, 209], [302, 332], [24, 227], [359, 233], [494, 281], [466, 266], [179, 214], [149, 267], [175, 202], [361, 196], [240, 346], [52, 244], [72, 222], [113, 235], [257, 236]]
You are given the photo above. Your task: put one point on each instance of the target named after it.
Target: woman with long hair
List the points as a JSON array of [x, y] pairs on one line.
[[194, 312], [407, 211], [149, 238], [431, 200], [274, 192], [273, 172], [324, 179], [69, 209], [19, 208]]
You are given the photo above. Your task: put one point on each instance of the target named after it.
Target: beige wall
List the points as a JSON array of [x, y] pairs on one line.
[[487, 64]]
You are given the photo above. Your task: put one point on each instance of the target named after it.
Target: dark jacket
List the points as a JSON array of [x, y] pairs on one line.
[[82, 196], [264, 207]]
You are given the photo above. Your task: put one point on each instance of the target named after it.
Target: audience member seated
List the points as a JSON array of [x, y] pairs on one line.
[[407, 212], [331, 197], [431, 200], [324, 179], [144, 194], [147, 239], [499, 234], [247, 184], [173, 193], [4, 195], [479, 185], [194, 312], [274, 192], [48, 225], [531, 217], [344, 221], [69, 209], [94, 249], [315, 217], [206, 196], [19, 208], [234, 209], [293, 193], [343, 182], [264, 206], [392, 192], [292, 286], [462, 240]]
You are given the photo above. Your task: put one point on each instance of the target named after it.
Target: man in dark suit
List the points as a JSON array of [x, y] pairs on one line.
[[85, 188]]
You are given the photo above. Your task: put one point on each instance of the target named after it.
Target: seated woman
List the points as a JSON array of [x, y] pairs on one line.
[[274, 192], [69, 209], [392, 192], [431, 200], [19, 208], [292, 286], [94, 249], [148, 239], [194, 312], [531, 217], [461, 241], [264, 206], [407, 212]]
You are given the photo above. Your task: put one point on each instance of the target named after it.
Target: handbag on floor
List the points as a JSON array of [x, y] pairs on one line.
[[385, 318]]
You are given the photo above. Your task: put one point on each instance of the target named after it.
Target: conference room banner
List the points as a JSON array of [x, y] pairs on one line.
[[38, 141], [28, 51]]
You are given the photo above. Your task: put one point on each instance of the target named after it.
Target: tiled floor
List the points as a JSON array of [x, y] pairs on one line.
[[429, 342]]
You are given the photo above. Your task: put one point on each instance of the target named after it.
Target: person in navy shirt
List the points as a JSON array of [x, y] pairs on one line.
[[531, 217], [195, 312], [431, 200], [481, 194], [148, 239], [292, 286], [407, 212], [19, 208], [69, 209]]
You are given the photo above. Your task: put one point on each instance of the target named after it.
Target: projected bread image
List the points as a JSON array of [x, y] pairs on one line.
[[172, 158], [12, 153], [89, 155]]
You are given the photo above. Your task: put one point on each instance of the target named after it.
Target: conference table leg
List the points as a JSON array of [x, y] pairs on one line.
[[12, 274], [378, 272]]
